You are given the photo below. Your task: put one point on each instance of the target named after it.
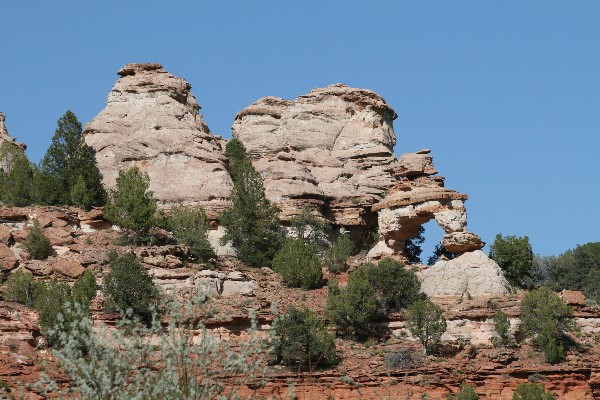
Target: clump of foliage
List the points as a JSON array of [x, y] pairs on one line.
[[155, 361], [396, 287], [427, 323], [515, 256], [68, 171], [20, 288], [16, 176], [545, 318], [353, 308], [128, 286], [532, 391], [412, 247], [50, 301], [131, 205], [302, 341], [502, 328], [190, 226], [467, 392], [252, 222], [373, 291], [336, 257], [438, 252], [37, 243], [402, 359], [299, 265], [577, 269], [84, 290], [310, 230]]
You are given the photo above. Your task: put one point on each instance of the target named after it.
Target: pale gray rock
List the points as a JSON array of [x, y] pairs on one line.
[[473, 273], [5, 137], [151, 120], [330, 150]]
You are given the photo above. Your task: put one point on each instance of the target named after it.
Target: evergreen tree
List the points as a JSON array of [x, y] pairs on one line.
[[515, 256], [16, 176], [427, 323], [310, 230], [251, 222], [412, 247], [299, 265], [438, 252], [68, 158], [190, 226], [37, 243], [131, 205]]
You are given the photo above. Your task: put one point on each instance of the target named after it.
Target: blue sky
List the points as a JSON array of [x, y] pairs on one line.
[[506, 94]]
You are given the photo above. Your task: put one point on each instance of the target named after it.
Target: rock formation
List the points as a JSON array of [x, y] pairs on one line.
[[418, 197], [151, 120], [331, 150], [471, 274], [4, 136]]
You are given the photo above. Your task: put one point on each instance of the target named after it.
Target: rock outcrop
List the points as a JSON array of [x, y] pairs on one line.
[[330, 150], [471, 274], [4, 136], [151, 120], [417, 198]]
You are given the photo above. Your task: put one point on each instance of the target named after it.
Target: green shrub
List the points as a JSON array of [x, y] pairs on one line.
[[354, 308], [577, 269], [532, 391], [502, 328], [251, 222], [302, 341], [515, 256], [190, 226], [412, 247], [128, 286], [20, 287], [427, 323], [50, 301], [37, 243], [467, 392], [131, 205], [336, 257], [299, 265], [396, 287], [310, 230], [16, 176], [438, 252], [84, 290], [545, 318]]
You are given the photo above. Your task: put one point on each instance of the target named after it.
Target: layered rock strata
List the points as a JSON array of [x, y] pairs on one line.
[[417, 198], [330, 150], [151, 120]]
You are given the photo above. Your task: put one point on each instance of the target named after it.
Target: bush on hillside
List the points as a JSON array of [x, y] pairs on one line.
[[532, 391], [396, 286], [20, 287], [84, 290], [545, 318], [467, 392], [577, 269], [16, 176], [51, 299], [37, 243], [353, 308], [427, 323], [502, 328], [298, 265], [128, 286], [302, 342], [190, 226], [336, 257], [310, 230]]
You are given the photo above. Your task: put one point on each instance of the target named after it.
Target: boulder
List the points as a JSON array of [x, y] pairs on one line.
[[151, 121], [472, 273], [69, 268], [8, 260]]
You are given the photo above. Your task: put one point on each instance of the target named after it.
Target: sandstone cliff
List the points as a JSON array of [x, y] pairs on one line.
[[151, 120], [331, 150]]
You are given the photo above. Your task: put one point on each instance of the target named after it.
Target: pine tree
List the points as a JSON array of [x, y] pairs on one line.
[[131, 205], [16, 176], [68, 158], [252, 222]]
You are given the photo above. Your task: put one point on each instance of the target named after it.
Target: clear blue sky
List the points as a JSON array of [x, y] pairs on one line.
[[506, 94]]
